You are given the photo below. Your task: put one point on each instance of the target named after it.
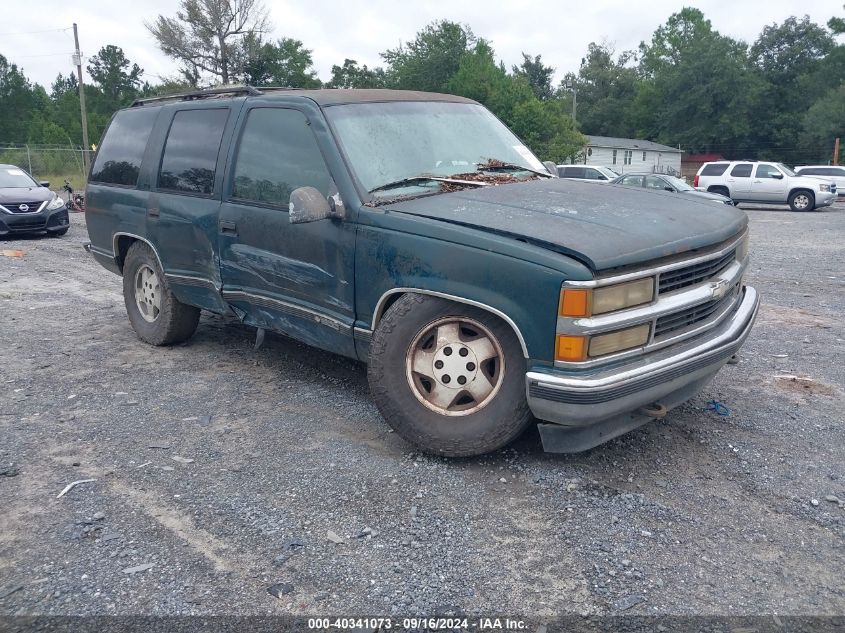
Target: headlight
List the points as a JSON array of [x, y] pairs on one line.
[[824, 188], [742, 249], [579, 348], [55, 203], [583, 302]]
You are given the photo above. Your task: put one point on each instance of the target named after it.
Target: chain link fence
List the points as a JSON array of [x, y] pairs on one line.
[[55, 163]]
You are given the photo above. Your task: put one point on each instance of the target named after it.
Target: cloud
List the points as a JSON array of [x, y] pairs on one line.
[[559, 31]]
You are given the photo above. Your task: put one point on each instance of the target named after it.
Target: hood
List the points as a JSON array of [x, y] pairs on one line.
[[706, 195], [25, 194], [605, 227]]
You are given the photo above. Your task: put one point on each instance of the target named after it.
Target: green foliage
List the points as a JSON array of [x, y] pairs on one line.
[[117, 78], [606, 88], [823, 122], [284, 63], [547, 130], [350, 75], [429, 61], [538, 76]]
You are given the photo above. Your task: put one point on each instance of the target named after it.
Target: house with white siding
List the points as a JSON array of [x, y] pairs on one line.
[[632, 155]]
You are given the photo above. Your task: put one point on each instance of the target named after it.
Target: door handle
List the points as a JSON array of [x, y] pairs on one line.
[[229, 228]]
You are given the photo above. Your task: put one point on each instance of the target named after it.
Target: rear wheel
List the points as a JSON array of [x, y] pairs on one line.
[[448, 378], [156, 315], [802, 201]]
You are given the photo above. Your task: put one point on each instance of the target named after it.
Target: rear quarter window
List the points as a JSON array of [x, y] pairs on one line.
[[714, 169], [120, 154]]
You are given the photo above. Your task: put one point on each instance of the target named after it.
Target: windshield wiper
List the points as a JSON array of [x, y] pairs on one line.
[[494, 164], [415, 179]]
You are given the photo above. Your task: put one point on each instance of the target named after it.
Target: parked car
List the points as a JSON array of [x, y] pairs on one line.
[[28, 206], [585, 172], [663, 182], [834, 173], [766, 183], [416, 233]]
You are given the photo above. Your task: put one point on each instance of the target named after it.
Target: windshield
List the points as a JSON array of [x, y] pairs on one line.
[[14, 177], [608, 172], [678, 183], [388, 142], [786, 169]]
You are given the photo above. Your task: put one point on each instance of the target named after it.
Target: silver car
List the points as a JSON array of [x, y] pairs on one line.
[[586, 172], [833, 173]]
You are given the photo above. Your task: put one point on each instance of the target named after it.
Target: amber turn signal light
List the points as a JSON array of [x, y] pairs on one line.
[[575, 303], [571, 348]]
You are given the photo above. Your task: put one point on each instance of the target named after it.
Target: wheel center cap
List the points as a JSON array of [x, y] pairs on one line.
[[455, 366]]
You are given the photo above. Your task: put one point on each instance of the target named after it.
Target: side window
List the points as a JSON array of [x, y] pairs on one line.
[[190, 152], [277, 154], [632, 181], [592, 174], [119, 158], [767, 171], [743, 170], [714, 169], [653, 182]]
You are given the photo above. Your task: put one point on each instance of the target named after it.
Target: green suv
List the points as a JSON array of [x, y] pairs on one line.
[[415, 232]]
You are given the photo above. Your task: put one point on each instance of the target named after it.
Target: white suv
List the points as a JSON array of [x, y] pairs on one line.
[[834, 173], [766, 183]]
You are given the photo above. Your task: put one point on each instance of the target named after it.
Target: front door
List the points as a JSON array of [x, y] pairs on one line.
[[293, 278], [769, 184]]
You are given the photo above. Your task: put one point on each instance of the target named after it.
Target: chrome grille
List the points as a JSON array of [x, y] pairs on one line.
[[691, 275], [15, 207], [685, 318]]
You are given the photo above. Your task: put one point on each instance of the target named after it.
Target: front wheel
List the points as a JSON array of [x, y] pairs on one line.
[[802, 201], [448, 378], [157, 316]]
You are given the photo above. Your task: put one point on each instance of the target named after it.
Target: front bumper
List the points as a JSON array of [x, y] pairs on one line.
[[825, 198], [43, 221], [670, 376]]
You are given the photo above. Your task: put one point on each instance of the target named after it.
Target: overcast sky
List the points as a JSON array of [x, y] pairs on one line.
[[558, 30]]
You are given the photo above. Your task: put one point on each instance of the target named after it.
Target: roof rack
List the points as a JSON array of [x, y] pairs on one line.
[[200, 94]]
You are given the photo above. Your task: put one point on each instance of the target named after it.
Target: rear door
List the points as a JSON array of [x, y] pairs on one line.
[[739, 180], [184, 203], [293, 278], [769, 184]]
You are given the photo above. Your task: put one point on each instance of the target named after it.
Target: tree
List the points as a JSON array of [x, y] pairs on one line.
[[17, 103], [836, 24], [350, 75], [285, 63], [117, 78], [63, 84], [698, 88], [206, 34], [823, 122], [538, 75], [430, 60], [606, 86]]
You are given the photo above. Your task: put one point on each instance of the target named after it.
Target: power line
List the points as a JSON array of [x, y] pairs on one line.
[[35, 32], [44, 55]]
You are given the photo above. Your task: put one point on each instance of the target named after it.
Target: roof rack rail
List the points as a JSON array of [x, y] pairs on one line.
[[200, 94]]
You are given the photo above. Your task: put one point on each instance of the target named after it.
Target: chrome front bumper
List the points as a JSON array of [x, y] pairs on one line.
[[669, 376]]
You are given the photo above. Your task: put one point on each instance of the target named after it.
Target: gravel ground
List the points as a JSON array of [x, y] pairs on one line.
[[220, 471]]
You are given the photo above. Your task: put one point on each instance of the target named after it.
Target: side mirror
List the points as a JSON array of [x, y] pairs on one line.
[[307, 204], [550, 167], [776, 175], [669, 189], [44, 183]]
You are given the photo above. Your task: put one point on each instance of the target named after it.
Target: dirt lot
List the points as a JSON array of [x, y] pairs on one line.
[[222, 470]]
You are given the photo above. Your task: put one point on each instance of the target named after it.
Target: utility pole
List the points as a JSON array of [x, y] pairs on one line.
[[77, 59], [571, 87], [836, 151]]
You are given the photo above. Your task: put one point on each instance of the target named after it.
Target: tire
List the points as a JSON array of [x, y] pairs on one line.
[[164, 320], [419, 331], [802, 200]]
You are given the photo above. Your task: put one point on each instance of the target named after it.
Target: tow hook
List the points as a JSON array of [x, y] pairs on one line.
[[654, 410]]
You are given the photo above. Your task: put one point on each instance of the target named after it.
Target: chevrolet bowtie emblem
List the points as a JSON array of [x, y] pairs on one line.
[[719, 288]]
